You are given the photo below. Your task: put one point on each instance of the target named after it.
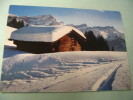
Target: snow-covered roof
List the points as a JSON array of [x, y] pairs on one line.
[[43, 33]]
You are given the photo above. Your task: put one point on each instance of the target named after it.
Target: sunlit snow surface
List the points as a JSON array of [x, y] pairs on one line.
[[65, 72]]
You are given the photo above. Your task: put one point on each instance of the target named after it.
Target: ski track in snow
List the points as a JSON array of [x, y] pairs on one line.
[[61, 72]]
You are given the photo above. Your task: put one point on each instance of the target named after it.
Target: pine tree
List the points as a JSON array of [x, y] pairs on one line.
[[95, 44], [90, 41], [112, 49], [13, 23], [102, 44], [22, 23], [16, 24]]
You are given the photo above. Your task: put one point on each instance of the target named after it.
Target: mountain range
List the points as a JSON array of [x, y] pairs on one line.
[[36, 20], [114, 38]]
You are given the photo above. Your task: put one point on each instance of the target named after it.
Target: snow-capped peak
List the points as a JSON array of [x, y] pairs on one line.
[[108, 32]]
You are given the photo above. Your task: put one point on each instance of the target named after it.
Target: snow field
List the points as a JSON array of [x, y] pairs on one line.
[[65, 72]]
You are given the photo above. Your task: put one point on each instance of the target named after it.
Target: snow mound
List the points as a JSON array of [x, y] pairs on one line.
[[9, 30], [43, 33]]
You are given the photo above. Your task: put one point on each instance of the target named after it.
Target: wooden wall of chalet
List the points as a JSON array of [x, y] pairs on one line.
[[34, 47], [71, 42]]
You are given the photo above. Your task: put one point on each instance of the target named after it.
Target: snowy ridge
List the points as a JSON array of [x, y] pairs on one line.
[[43, 33], [108, 32]]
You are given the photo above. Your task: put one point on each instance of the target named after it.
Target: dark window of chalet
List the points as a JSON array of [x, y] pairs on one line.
[[71, 49]]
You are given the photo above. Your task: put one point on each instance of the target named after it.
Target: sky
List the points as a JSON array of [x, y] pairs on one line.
[[73, 16]]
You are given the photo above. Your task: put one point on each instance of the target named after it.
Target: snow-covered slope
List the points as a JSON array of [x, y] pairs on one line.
[[65, 72], [36, 20], [9, 30]]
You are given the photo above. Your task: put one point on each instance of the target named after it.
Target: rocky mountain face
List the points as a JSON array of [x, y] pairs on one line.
[[37, 20]]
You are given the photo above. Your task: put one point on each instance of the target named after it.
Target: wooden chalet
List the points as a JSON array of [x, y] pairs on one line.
[[48, 39]]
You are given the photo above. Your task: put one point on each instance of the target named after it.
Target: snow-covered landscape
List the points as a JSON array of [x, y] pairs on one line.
[[63, 71], [75, 57]]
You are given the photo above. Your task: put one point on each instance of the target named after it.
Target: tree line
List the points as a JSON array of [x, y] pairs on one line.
[[16, 24], [94, 43]]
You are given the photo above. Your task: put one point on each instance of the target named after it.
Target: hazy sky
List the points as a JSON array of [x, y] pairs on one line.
[[73, 16]]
